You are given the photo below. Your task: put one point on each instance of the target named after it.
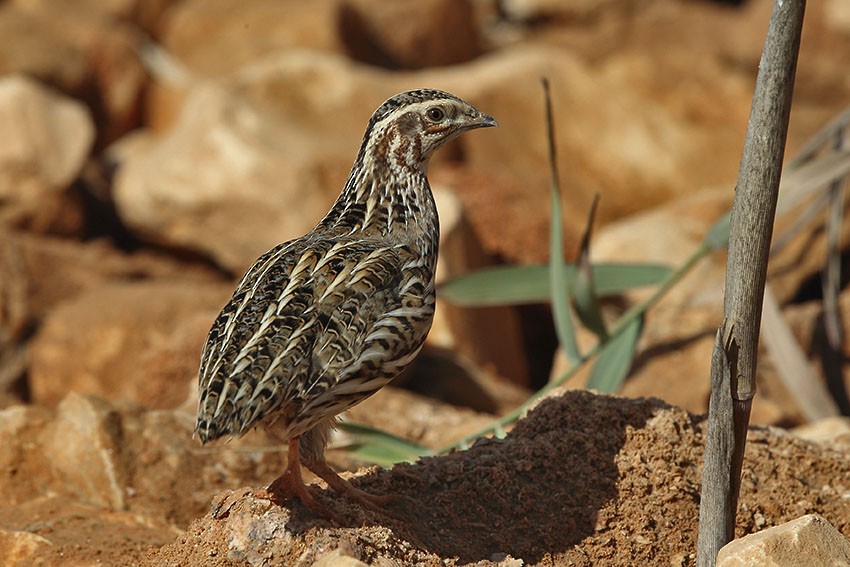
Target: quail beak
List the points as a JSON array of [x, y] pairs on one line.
[[481, 121]]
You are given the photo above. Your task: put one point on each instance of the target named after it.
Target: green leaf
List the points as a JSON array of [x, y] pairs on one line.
[[718, 235], [583, 290], [379, 447], [564, 327], [615, 359], [586, 305], [520, 285]]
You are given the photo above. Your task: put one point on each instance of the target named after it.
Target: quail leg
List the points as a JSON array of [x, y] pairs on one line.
[[373, 502], [291, 484]]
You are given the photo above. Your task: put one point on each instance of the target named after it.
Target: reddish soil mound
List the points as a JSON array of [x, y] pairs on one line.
[[583, 480]]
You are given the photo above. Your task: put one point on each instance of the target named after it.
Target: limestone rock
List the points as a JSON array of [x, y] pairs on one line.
[[18, 548], [810, 540], [654, 148], [227, 183], [618, 469], [65, 532], [206, 43], [837, 15], [117, 82], [673, 363], [203, 36], [64, 471], [48, 137], [674, 357], [536, 10], [274, 143], [88, 50], [32, 48], [339, 558], [410, 34], [91, 474], [827, 430], [83, 443], [669, 235], [138, 341], [40, 272], [141, 12], [37, 273], [20, 427], [304, 89], [66, 475], [470, 331]]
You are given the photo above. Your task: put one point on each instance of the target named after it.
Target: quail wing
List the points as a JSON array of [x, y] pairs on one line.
[[315, 326]]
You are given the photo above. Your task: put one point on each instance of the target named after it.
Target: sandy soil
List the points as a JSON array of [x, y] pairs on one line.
[[583, 480]]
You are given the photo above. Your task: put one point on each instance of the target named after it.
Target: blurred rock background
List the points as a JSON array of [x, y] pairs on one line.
[[151, 149]]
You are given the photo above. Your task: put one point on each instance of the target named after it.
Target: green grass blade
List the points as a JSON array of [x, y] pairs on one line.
[[583, 291], [615, 278], [520, 285], [564, 327], [718, 235], [586, 305], [379, 447], [615, 359]]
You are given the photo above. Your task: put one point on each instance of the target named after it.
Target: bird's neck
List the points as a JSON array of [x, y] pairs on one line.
[[386, 197]]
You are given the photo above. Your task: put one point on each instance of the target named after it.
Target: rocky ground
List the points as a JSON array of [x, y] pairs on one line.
[[153, 148]]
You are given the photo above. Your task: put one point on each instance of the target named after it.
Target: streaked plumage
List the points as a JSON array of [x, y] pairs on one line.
[[321, 322]]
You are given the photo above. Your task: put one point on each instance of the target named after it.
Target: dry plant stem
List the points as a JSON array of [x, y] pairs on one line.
[[791, 363], [751, 229], [722, 442], [810, 148], [832, 276], [833, 356]]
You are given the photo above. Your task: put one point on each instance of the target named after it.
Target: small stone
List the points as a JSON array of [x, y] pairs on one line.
[[826, 430], [47, 138], [837, 15], [34, 46], [470, 331], [505, 560], [576, 10], [84, 445], [203, 36], [339, 558], [809, 540], [410, 34], [87, 345], [19, 548], [226, 185]]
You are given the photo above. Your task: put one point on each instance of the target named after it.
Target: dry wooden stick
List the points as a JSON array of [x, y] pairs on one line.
[[751, 229]]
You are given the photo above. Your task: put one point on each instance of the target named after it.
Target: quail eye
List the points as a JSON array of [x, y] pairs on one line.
[[435, 114]]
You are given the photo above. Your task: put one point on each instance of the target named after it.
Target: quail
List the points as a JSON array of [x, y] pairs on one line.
[[319, 323]]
